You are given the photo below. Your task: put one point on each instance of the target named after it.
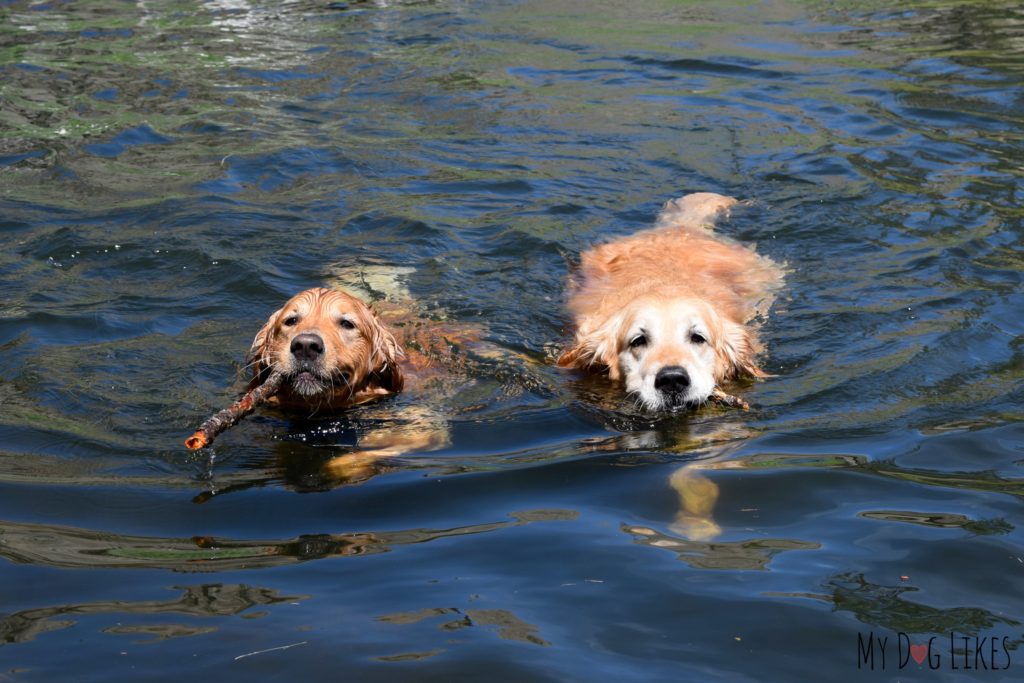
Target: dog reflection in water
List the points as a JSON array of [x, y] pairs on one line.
[[697, 498], [697, 494]]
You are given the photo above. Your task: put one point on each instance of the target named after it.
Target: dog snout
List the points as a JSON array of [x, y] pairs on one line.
[[673, 379], [307, 347]]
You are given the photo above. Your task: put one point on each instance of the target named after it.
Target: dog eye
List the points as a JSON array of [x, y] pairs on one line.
[[290, 320], [638, 341], [347, 324], [698, 338]]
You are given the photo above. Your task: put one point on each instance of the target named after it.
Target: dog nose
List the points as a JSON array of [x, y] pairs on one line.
[[672, 380], [307, 346]]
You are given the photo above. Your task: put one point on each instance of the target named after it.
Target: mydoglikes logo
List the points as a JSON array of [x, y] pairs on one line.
[[955, 652]]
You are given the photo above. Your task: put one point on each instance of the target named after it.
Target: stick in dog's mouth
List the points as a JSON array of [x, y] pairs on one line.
[[231, 415], [722, 398]]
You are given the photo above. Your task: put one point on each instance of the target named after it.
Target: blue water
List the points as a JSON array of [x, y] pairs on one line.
[[170, 173]]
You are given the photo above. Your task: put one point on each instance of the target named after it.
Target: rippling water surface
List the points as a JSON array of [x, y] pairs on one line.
[[170, 172]]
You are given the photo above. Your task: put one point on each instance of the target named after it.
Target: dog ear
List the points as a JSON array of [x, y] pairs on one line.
[[259, 352], [736, 350], [385, 354], [573, 358], [595, 350]]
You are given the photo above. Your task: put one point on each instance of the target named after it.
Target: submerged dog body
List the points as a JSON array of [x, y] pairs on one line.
[[667, 310]]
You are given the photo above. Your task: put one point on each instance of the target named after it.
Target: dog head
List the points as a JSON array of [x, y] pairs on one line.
[[670, 352], [329, 346]]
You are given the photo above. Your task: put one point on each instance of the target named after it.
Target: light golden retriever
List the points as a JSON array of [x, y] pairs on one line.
[[668, 310], [672, 313]]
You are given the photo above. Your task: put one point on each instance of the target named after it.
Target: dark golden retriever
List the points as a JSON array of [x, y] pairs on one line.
[[335, 352], [332, 349]]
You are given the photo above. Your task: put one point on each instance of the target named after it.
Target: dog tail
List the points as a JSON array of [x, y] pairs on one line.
[[697, 210]]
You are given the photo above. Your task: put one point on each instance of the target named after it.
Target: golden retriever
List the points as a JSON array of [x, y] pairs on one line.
[[668, 310], [332, 349], [336, 352]]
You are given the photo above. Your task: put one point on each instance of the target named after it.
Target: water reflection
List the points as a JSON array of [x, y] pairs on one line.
[[507, 625], [981, 480], [154, 633], [170, 171], [942, 520], [70, 547], [898, 609], [206, 600], [755, 553]]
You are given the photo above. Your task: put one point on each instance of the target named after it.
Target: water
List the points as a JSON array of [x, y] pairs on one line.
[[171, 172]]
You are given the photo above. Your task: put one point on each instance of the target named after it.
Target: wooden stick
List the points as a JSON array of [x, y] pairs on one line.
[[719, 396], [230, 416]]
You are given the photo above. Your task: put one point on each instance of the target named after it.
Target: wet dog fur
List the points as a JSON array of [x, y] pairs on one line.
[[669, 311], [336, 352]]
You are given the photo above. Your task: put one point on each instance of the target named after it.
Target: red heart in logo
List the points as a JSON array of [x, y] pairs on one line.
[[918, 652]]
